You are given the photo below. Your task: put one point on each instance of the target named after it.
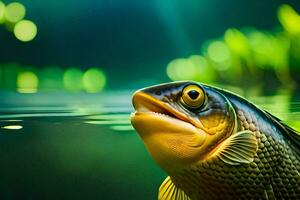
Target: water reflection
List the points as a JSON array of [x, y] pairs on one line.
[[12, 127], [117, 122], [122, 128], [73, 143]]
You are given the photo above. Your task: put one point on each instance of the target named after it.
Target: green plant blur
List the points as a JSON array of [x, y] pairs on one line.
[[247, 57]]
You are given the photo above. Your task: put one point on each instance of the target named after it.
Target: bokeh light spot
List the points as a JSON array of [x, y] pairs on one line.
[[204, 72], [180, 69], [289, 19], [194, 68], [27, 82], [72, 79], [94, 80], [2, 11], [14, 12], [218, 51], [237, 42], [25, 30]]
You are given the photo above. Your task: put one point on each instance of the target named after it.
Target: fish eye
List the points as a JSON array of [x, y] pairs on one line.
[[193, 96]]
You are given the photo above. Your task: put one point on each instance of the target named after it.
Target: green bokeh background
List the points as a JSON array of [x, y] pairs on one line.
[[65, 95], [133, 42]]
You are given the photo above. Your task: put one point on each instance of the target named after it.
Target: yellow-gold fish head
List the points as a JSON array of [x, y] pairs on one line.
[[182, 122]]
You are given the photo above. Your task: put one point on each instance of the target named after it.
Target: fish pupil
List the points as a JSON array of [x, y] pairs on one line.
[[193, 94], [158, 92]]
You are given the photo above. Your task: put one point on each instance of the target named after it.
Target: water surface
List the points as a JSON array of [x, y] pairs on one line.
[[79, 146]]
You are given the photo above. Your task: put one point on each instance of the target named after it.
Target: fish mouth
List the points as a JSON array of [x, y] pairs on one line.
[[145, 104]]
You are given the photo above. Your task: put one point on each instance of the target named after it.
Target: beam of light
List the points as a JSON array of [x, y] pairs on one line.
[[14, 12], [289, 19], [2, 11], [72, 80], [27, 82], [94, 80], [174, 23], [12, 127], [25, 30]]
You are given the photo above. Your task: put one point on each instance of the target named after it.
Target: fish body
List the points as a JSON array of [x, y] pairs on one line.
[[216, 145]]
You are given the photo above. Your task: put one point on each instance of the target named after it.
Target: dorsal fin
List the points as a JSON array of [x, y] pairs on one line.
[[288, 131]]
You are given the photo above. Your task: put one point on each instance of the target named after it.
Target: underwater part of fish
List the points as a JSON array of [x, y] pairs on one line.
[[216, 145]]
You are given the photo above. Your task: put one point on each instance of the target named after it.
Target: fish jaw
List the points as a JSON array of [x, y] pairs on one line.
[[153, 115], [150, 122], [172, 140]]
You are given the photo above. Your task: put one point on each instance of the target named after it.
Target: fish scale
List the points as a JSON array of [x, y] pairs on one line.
[[216, 180], [246, 153]]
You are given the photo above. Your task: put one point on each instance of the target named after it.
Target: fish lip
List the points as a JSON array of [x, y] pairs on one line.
[[147, 104]]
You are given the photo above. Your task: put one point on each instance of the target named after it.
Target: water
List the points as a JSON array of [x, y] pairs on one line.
[[58, 146], [79, 146]]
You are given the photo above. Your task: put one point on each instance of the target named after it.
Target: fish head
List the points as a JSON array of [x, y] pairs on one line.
[[180, 123]]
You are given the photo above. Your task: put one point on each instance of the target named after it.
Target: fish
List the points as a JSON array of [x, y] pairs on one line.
[[214, 144]]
